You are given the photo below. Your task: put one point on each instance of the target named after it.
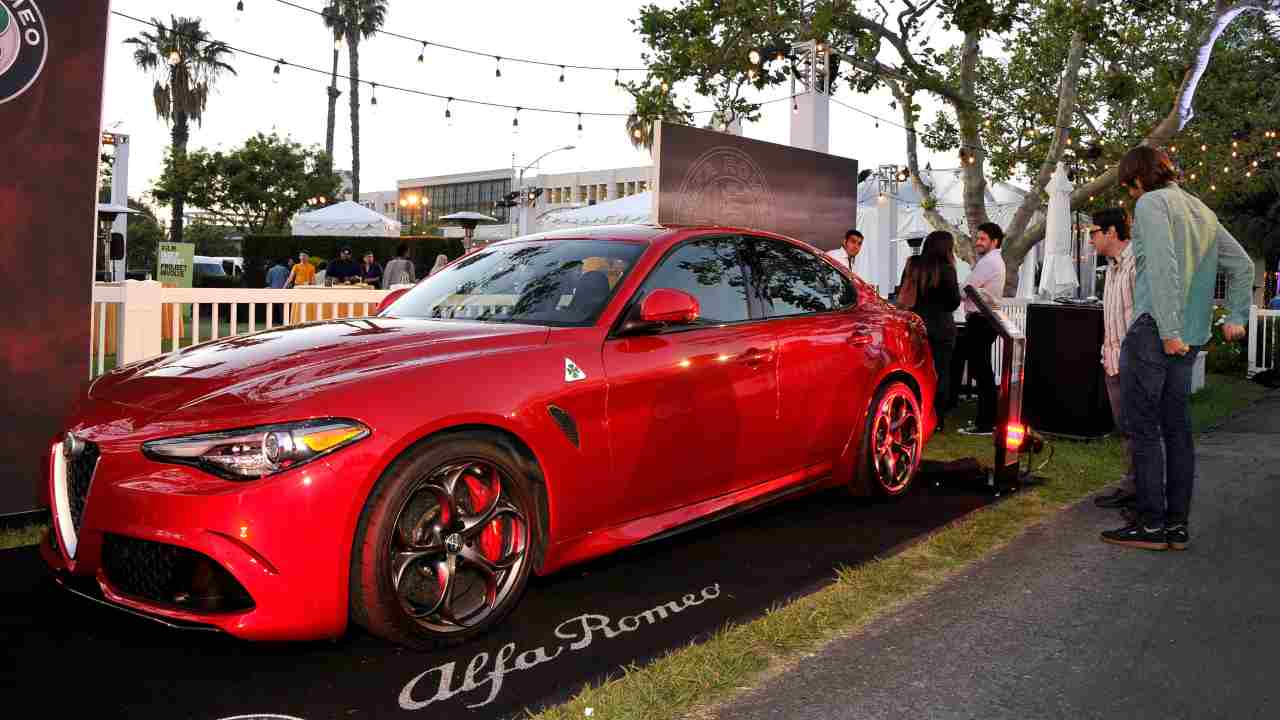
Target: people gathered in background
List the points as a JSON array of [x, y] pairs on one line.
[[303, 272], [930, 289], [1109, 235], [988, 274], [399, 271]]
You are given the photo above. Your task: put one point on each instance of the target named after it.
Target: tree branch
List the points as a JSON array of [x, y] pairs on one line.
[[928, 200], [921, 76], [1179, 115]]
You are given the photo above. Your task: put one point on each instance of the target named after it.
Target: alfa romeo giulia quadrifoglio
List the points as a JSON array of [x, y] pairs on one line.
[[539, 402]]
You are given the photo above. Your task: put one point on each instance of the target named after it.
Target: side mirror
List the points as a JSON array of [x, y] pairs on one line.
[[390, 298], [668, 306]]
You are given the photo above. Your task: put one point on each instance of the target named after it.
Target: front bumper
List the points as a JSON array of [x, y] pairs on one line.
[[145, 529]]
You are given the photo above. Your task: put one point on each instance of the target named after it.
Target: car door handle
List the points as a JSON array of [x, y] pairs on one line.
[[859, 339], [755, 357]]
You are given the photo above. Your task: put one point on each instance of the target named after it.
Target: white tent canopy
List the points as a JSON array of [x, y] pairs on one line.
[[1002, 201], [635, 208], [347, 219]]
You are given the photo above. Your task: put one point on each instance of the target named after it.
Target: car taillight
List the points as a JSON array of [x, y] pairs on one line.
[[1014, 434]]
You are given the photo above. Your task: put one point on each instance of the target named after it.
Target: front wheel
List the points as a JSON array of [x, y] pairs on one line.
[[446, 542], [893, 440]]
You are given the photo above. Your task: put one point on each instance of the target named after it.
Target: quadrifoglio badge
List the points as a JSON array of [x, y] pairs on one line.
[[576, 633], [23, 46]]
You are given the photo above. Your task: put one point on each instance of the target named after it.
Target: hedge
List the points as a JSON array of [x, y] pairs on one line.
[[261, 251]]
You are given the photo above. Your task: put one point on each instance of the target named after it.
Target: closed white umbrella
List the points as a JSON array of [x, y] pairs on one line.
[[1058, 277]]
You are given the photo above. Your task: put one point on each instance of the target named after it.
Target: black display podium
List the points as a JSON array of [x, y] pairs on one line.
[[1066, 392]]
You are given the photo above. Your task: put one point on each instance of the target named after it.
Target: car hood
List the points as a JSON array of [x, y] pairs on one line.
[[287, 363]]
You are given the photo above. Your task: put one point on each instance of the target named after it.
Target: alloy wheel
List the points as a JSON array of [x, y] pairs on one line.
[[458, 546], [895, 437]]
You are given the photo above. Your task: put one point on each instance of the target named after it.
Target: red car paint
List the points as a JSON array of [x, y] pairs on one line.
[[657, 451]]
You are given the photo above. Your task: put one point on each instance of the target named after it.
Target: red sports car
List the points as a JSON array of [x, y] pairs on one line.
[[542, 401]]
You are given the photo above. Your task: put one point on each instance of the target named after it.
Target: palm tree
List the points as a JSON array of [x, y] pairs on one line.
[[333, 21], [186, 64], [353, 20]]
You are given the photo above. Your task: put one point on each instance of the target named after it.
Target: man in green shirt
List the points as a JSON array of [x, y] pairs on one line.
[[1179, 247]]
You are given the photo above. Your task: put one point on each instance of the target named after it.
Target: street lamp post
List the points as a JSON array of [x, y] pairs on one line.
[[521, 224]]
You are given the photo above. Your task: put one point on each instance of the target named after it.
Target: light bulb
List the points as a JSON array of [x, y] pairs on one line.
[[174, 57], [337, 42]]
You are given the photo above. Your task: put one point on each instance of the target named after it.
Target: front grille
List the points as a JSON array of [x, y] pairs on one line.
[[79, 476], [171, 575]]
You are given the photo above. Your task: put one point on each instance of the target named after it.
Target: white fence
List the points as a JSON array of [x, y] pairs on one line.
[[1264, 340], [134, 320]]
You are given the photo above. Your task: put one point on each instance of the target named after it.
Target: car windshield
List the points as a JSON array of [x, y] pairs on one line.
[[209, 269], [550, 282]]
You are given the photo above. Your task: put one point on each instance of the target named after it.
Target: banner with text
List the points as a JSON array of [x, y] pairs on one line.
[[52, 56], [705, 177], [175, 264]]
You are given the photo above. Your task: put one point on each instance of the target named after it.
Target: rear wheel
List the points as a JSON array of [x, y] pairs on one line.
[[893, 440], [446, 542]]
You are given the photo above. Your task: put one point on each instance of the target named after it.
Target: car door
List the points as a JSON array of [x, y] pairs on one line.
[[823, 344], [693, 409]]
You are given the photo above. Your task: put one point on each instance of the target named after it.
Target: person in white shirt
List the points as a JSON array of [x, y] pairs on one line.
[[847, 253], [988, 275]]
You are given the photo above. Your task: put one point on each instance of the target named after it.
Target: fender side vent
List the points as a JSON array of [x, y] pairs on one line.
[[566, 423]]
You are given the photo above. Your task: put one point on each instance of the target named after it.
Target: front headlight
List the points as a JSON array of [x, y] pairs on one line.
[[258, 451]]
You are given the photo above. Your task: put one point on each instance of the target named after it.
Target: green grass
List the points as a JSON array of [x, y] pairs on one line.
[[692, 681]]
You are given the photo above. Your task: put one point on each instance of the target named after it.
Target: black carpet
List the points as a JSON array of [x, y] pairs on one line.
[[577, 627]]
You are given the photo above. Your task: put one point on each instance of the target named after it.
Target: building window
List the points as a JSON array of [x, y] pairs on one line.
[[641, 186]]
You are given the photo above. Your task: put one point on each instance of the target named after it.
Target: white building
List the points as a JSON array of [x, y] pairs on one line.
[[426, 199], [385, 202]]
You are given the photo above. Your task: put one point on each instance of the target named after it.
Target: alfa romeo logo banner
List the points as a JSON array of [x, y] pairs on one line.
[[23, 46], [705, 177], [52, 56]]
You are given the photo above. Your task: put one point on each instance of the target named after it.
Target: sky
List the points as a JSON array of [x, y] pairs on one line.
[[405, 135]]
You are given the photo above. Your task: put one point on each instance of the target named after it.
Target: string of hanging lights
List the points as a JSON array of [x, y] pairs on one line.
[[425, 43]]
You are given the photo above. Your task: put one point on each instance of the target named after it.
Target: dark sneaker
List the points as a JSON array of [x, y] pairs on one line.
[[972, 429], [1138, 536], [1117, 499], [1177, 535]]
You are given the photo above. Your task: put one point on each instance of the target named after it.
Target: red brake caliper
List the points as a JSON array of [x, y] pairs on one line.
[[484, 492]]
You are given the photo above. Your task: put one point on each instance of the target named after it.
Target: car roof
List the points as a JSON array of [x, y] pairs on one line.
[[639, 232]]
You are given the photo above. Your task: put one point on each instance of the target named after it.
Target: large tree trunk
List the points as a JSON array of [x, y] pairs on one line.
[[333, 93], [181, 132], [1015, 247], [974, 166], [353, 42]]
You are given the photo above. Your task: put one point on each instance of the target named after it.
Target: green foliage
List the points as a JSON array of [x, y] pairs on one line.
[[1224, 356], [182, 89], [261, 251], [213, 240], [1135, 59], [145, 236], [255, 188]]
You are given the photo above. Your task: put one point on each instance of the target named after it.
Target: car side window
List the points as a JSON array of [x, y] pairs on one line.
[[789, 281], [708, 269], [842, 290]]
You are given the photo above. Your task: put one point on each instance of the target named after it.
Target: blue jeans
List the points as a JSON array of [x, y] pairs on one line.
[[1156, 390]]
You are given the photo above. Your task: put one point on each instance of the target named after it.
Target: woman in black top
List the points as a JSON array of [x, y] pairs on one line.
[[932, 277]]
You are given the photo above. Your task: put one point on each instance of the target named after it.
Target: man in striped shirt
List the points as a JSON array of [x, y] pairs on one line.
[[1110, 237]]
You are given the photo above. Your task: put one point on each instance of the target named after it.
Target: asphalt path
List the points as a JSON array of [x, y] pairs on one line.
[[578, 626], [1061, 625]]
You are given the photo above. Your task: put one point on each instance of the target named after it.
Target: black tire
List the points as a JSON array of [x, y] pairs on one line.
[[889, 480], [408, 515]]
